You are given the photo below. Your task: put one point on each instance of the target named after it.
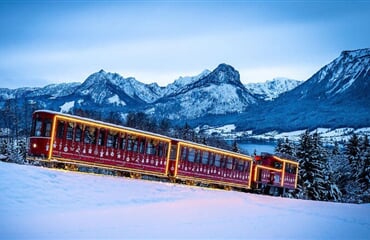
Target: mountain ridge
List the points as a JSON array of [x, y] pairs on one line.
[[335, 96]]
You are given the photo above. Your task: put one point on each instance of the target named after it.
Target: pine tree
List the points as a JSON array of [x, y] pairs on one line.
[[340, 168], [315, 177], [328, 189], [235, 147], [364, 172], [305, 168], [285, 147], [353, 154]]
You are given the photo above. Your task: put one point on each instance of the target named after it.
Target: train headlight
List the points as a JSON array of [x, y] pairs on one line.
[[34, 145]]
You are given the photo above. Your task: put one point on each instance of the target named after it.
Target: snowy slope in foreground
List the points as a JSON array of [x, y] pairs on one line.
[[39, 203]]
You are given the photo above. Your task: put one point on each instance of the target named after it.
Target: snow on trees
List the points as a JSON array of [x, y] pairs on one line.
[[358, 155], [315, 181]]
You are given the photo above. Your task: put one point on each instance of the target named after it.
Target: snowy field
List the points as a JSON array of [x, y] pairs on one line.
[[40, 203]]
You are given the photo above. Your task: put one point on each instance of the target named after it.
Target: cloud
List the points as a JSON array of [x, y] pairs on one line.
[[159, 41]]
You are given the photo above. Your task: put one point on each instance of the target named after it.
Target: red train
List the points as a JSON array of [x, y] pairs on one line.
[[73, 142]]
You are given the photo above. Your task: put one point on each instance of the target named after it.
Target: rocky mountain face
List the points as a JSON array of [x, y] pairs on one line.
[[271, 89], [218, 92], [335, 96]]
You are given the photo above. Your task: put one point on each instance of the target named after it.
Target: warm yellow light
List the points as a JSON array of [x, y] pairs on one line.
[[283, 175], [34, 145], [110, 127], [286, 160], [211, 149], [267, 168], [52, 137]]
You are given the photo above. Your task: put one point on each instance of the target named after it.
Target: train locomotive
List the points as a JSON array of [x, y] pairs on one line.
[[72, 142]]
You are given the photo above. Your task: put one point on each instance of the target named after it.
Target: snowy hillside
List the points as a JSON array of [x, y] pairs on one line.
[[272, 88], [40, 203]]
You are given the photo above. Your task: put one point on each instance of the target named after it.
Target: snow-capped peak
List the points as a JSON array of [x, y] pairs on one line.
[[183, 81], [130, 86], [344, 71], [272, 88]]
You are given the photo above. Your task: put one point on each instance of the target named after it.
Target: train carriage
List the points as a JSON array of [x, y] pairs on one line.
[[74, 140], [68, 141], [208, 165], [274, 174]]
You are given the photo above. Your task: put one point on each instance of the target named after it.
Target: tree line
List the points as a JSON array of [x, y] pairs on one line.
[[339, 173]]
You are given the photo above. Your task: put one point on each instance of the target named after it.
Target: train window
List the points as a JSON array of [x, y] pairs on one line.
[[60, 129], [130, 143], [78, 133], [205, 157], [198, 156], [277, 165], [246, 165], [112, 139], [69, 131], [191, 155], [142, 145], [229, 163], [135, 146], [240, 165], [223, 161], [184, 153], [217, 160], [294, 169], [38, 127], [290, 168], [160, 149], [123, 143], [150, 148], [89, 135], [47, 128], [211, 159], [101, 138]]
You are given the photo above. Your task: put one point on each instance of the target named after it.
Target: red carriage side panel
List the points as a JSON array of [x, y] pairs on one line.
[[203, 164]]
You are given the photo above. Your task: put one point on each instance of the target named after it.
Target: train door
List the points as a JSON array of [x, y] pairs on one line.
[[272, 178], [173, 157]]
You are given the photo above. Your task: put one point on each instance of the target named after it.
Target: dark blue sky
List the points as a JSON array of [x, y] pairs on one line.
[[45, 42]]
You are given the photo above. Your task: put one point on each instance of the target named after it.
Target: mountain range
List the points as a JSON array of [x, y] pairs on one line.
[[335, 96]]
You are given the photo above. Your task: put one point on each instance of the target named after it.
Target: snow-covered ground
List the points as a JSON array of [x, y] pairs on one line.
[[328, 135], [40, 203]]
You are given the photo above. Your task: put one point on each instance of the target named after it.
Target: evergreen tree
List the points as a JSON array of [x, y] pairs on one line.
[[364, 172], [235, 147], [324, 181], [353, 154], [315, 177], [340, 167], [285, 147], [164, 127]]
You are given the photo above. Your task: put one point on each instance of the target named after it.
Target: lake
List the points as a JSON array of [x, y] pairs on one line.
[[258, 146]]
